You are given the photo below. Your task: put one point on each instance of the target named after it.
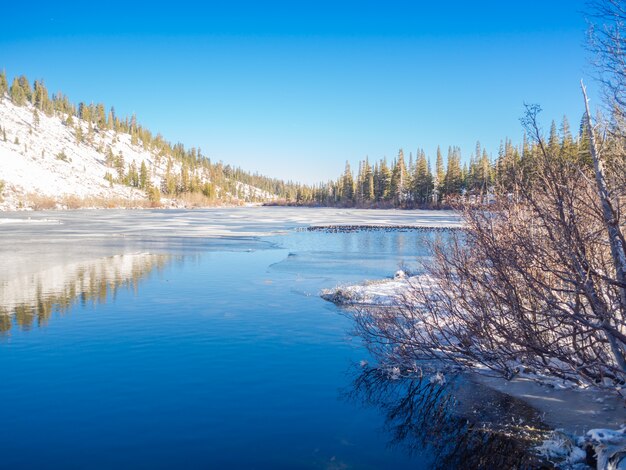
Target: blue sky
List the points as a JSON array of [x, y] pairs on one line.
[[294, 89]]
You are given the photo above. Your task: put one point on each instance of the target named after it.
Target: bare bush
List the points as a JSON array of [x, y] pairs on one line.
[[534, 284]]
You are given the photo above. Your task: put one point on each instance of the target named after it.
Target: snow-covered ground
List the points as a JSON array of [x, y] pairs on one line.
[[45, 159]]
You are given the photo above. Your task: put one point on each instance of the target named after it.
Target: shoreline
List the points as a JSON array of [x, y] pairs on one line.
[[581, 418]]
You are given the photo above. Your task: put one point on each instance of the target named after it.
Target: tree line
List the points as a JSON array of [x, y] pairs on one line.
[[195, 172], [416, 182]]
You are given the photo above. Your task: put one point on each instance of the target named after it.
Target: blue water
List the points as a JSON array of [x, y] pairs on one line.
[[210, 354]]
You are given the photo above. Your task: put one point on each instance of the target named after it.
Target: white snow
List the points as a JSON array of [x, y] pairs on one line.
[[33, 166], [438, 378], [49, 161], [569, 452], [386, 292], [562, 450]]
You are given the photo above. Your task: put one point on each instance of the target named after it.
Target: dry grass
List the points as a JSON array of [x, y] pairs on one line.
[[72, 202], [197, 200], [95, 202], [39, 203]]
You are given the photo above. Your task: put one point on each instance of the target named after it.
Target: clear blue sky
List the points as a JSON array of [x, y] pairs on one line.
[[294, 89]]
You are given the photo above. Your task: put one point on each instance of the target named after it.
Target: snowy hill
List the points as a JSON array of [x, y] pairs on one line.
[[46, 162]]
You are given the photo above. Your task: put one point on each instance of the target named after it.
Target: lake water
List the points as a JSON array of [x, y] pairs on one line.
[[177, 339]]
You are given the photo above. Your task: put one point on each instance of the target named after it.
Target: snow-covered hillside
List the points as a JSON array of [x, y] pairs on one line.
[[43, 164]]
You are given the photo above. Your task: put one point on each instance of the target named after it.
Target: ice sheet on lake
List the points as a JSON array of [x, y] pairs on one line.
[[50, 238]]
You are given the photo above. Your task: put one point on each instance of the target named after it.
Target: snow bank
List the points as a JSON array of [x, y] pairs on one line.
[[606, 446], [386, 292]]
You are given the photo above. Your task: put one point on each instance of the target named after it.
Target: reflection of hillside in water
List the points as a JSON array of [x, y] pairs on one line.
[[31, 300], [457, 424]]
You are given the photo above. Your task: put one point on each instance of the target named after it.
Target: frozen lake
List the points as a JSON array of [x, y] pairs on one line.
[[197, 339]]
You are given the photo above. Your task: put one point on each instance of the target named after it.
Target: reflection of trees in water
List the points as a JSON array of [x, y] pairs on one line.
[[459, 424], [58, 290]]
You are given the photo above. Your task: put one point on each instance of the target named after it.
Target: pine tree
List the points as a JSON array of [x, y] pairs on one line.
[[440, 174], [4, 84], [80, 137], [347, 184], [569, 150], [398, 180], [383, 190], [17, 93], [143, 176], [453, 181], [40, 99], [110, 120], [120, 167], [423, 184], [84, 112], [368, 182], [25, 86], [184, 180], [101, 119]]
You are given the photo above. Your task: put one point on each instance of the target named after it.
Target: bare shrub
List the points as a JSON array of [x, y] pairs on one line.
[[535, 283]]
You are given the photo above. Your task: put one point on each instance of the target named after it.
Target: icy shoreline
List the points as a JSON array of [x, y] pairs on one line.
[[578, 416]]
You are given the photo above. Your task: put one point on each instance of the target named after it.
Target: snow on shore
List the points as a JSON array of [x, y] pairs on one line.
[[386, 292], [571, 411]]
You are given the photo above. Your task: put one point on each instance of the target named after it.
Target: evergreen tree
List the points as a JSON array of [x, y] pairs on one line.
[[453, 181], [25, 86], [41, 100], [17, 93], [440, 174], [398, 180], [368, 182], [143, 176], [383, 185], [110, 120], [4, 84], [132, 178], [423, 183], [120, 167], [80, 137], [347, 184]]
